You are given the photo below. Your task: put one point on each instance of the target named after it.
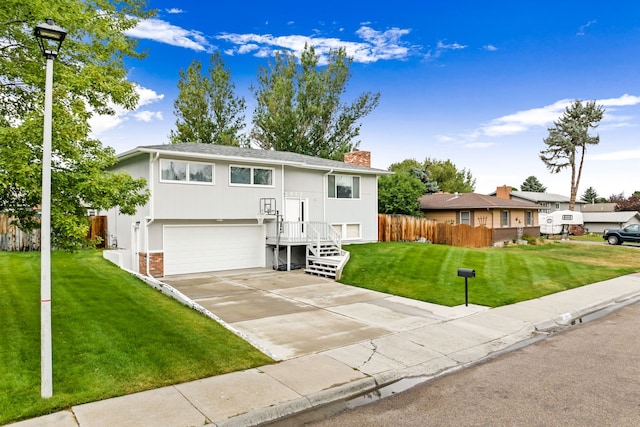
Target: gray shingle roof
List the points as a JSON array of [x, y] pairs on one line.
[[444, 201], [615, 217], [213, 151], [536, 197]]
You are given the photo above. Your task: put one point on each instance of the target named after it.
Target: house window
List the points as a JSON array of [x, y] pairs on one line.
[[557, 205], [528, 218], [247, 175], [181, 171], [505, 218], [348, 231], [344, 187], [465, 217]]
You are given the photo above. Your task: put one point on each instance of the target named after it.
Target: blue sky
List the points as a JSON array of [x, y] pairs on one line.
[[474, 82]]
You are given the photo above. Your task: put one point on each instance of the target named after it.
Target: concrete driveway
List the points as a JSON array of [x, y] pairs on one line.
[[290, 314]]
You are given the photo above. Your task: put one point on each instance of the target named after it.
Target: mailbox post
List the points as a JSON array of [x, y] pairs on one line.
[[466, 273]]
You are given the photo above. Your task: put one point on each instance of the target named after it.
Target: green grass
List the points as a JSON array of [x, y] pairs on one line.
[[591, 237], [112, 335], [503, 275]]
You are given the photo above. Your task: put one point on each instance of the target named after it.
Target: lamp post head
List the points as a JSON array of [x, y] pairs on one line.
[[50, 37]]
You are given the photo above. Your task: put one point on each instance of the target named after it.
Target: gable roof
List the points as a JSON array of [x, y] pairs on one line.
[[224, 152], [534, 196], [448, 201], [599, 207], [615, 217]]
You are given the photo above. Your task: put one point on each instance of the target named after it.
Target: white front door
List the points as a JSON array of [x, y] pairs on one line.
[[295, 211]]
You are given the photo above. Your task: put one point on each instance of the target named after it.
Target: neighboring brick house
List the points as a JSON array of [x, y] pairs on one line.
[[216, 207], [504, 216]]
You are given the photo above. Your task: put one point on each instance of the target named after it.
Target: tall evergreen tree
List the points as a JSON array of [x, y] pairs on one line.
[[568, 140], [300, 109], [89, 78], [590, 195], [532, 184], [207, 109]]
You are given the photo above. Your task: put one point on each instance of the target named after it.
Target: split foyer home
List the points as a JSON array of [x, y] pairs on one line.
[[216, 207], [507, 218]]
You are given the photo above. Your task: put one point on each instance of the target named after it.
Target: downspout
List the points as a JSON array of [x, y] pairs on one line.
[[148, 220]]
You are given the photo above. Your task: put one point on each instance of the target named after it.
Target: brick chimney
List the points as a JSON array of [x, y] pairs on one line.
[[503, 192], [360, 158]]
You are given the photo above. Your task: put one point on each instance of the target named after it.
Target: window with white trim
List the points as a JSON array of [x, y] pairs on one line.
[[528, 218], [343, 187], [465, 217], [505, 218], [183, 171], [249, 175], [348, 231]]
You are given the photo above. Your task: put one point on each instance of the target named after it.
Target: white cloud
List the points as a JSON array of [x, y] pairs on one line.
[[544, 116], [442, 47], [490, 48], [147, 116], [103, 123], [376, 45], [174, 10], [616, 155], [582, 29], [164, 32]]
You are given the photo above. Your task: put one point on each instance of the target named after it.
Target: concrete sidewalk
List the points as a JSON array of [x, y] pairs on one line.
[[455, 338]]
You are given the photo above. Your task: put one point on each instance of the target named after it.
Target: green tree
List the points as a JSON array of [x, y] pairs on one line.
[[207, 109], [590, 195], [300, 109], [448, 177], [89, 78], [568, 140], [532, 184], [414, 168], [399, 194]]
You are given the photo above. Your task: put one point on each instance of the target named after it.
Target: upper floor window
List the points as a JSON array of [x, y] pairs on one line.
[[248, 175], [195, 172], [557, 205], [344, 187]]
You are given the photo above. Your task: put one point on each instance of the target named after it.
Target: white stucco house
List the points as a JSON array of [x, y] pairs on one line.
[[218, 208]]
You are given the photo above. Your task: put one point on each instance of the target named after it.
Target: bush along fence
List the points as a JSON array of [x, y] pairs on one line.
[[14, 239], [398, 228]]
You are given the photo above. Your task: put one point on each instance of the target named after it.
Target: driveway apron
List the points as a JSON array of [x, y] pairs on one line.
[[290, 314]]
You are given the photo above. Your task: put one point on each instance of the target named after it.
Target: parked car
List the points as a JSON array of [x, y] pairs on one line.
[[631, 233]]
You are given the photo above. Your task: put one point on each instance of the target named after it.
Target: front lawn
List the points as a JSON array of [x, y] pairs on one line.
[[503, 275], [112, 335]]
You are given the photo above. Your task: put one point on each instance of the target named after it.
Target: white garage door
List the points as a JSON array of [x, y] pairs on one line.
[[193, 249]]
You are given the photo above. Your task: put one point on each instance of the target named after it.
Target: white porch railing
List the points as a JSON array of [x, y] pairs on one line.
[[305, 232]]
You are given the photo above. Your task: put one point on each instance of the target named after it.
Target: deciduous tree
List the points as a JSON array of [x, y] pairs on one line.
[[568, 140], [300, 107], [449, 178], [399, 194], [89, 78], [207, 109]]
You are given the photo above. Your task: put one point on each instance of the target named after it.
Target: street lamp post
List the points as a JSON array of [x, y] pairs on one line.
[[50, 38]]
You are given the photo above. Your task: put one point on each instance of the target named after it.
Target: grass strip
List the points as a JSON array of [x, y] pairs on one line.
[[503, 275], [112, 335]]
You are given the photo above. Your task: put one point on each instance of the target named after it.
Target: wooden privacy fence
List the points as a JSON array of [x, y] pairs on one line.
[[14, 239], [395, 228]]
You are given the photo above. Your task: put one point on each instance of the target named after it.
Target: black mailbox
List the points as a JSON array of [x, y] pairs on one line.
[[466, 272]]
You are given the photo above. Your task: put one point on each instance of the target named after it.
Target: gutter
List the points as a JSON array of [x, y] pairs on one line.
[[148, 220]]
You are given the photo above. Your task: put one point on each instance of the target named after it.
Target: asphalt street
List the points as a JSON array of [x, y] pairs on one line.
[[586, 375]]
